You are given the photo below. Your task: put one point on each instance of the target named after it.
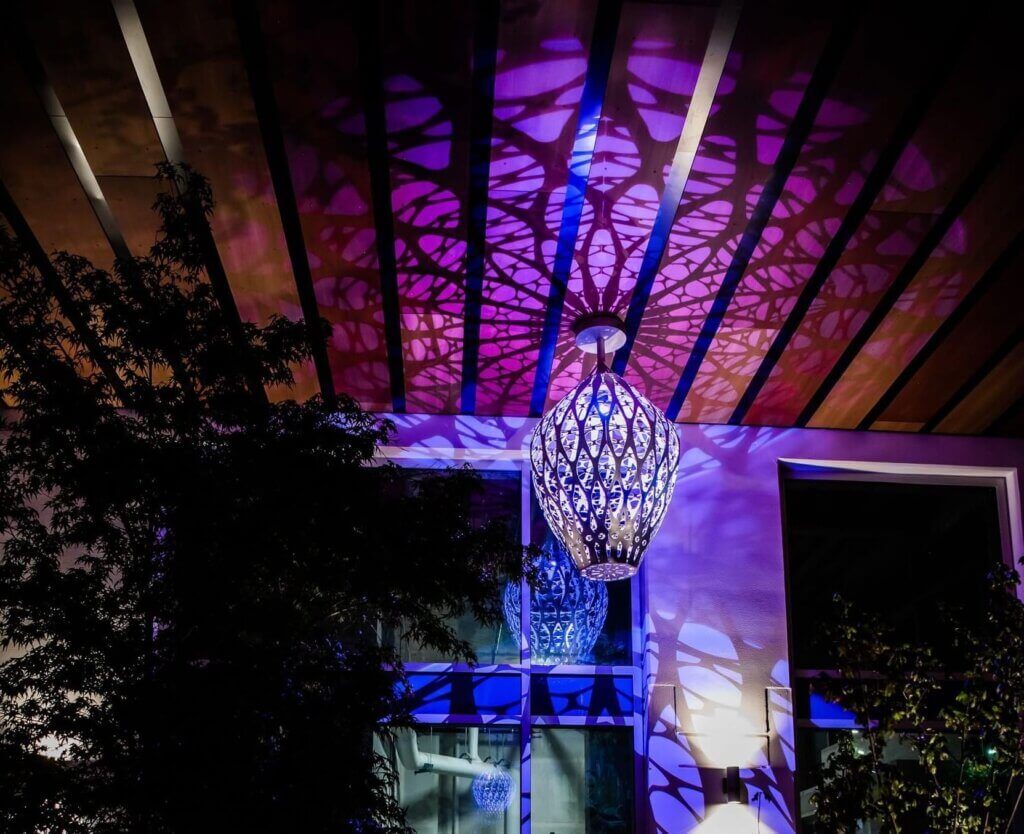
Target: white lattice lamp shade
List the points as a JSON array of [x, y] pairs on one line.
[[604, 463]]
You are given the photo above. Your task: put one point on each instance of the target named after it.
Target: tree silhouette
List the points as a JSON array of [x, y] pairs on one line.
[[941, 741], [192, 577]]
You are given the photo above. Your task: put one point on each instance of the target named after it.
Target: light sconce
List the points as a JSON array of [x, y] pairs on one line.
[[734, 788]]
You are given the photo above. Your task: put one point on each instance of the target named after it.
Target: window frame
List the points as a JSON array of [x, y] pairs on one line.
[[1004, 482], [518, 460]]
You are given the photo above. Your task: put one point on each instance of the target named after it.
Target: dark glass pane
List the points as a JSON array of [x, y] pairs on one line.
[[900, 551], [611, 644], [582, 781], [499, 500]]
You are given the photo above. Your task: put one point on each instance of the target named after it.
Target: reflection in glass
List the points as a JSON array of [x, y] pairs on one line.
[[500, 499], [582, 781], [612, 645], [457, 780], [567, 610]]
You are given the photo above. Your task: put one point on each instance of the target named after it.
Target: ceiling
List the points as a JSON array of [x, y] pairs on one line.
[[808, 214]]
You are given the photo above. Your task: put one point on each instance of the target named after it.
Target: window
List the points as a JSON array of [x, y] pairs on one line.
[[896, 548], [500, 498], [583, 781], [576, 720], [461, 779]]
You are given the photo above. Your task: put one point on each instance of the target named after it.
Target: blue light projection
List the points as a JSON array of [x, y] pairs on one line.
[[567, 613], [492, 790]]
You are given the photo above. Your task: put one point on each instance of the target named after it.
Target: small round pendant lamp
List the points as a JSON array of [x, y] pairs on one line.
[[492, 790], [604, 463]]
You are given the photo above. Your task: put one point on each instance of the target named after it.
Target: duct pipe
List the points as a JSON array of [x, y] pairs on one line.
[[413, 758]]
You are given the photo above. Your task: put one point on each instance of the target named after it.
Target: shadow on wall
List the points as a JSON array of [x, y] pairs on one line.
[[703, 723], [716, 660]]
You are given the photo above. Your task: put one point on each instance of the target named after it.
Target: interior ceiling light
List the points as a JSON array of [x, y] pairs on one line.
[[492, 790], [604, 463]]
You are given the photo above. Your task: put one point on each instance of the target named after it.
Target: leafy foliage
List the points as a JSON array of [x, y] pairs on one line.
[[192, 577], [941, 747]]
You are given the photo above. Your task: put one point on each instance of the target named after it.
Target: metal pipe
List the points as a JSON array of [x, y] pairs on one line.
[[416, 760]]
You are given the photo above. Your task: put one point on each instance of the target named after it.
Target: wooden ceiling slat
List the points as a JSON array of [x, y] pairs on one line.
[[901, 215], [973, 243], [878, 98], [993, 395], [196, 50], [991, 318], [38, 176], [773, 56], [312, 59], [542, 62], [657, 58], [427, 72]]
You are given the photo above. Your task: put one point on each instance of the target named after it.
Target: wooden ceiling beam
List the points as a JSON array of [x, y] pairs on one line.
[[602, 47], [818, 87]]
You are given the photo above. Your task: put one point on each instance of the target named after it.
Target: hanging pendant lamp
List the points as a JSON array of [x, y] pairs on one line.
[[604, 463]]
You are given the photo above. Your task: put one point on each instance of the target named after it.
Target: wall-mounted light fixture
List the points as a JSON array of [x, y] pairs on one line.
[[733, 787]]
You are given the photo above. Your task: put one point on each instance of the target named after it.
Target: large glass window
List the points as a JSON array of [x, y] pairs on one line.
[[582, 780], [459, 771], [500, 499], [457, 780], [896, 550]]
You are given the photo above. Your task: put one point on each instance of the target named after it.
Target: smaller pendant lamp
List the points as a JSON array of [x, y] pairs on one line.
[[604, 463], [492, 790]]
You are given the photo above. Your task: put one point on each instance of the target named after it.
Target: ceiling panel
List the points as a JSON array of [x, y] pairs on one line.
[[427, 72], [465, 179], [657, 58], [992, 318], [542, 63], [773, 56], [203, 75], [915, 193], [880, 79], [83, 54], [38, 175], [313, 55], [975, 240], [997, 392]]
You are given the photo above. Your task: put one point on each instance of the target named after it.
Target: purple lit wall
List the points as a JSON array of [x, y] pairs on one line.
[[715, 627]]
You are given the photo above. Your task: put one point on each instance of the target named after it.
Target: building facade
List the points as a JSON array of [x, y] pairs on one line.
[[642, 743]]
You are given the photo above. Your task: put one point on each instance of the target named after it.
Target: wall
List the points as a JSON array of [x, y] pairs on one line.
[[714, 580]]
